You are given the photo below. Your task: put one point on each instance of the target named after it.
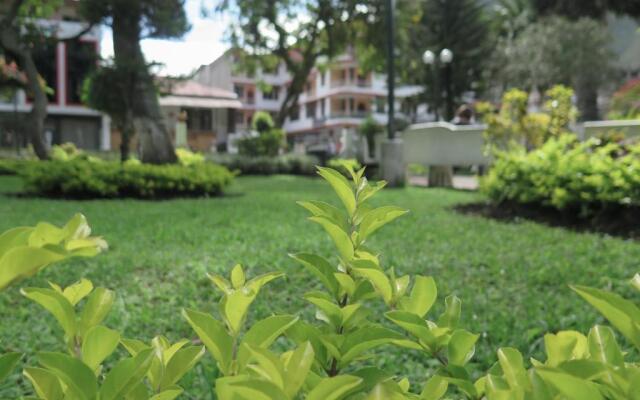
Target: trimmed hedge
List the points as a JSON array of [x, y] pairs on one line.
[[566, 173], [83, 179], [290, 164]]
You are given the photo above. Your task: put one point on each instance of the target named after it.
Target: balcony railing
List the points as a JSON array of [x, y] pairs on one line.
[[361, 83]]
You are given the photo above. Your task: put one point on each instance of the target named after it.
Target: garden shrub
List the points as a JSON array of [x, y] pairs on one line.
[[84, 179], [566, 173], [69, 152], [290, 164], [514, 126], [329, 358], [188, 157], [10, 166], [268, 139]]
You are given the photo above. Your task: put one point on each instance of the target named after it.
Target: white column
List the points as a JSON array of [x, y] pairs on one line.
[[105, 133], [327, 107], [61, 72]]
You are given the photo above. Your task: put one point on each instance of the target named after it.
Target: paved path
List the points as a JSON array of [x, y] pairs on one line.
[[459, 182]]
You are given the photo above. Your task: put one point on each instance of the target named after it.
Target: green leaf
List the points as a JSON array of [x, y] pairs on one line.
[[259, 281], [423, 295], [45, 383], [23, 262], [461, 347], [14, 238], [346, 282], [78, 291], [603, 346], [99, 343], [266, 331], [213, 335], [96, 308], [342, 187], [513, 369], [340, 238], [235, 306], [621, 313], [364, 339], [168, 394], [334, 388], [368, 270], [78, 378], [57, 305], [179, 364], [377, 218], [451, 315], [247, 388], [220, 282], [297, 368], [564, 346], [369, 190], [635, 281], [435, 388], [268, 365], [412, 324], [237, 277], [7, 364], [570, 387], [388, 390], [330, 312], [320, 268], [322, 209], [126, 375]]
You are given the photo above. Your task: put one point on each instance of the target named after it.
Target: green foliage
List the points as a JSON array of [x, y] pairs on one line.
[[513, 126], [10, 166], [344, 165], [625, 103], [69, 152], [113, 179], [26, 250], [290, 164], [566, 173], [269, 139], [188, 158]]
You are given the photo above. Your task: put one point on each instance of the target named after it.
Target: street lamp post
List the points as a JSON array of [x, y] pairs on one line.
[[434, 63]]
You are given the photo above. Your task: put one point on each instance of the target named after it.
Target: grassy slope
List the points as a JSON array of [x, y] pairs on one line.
[[512, 278]]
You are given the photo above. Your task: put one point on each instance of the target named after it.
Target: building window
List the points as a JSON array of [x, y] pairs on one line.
[[271, 94], [239, 90], [45, 58], [295, 113], [380, 105], [81, 61], [199, 119], [311, 110]]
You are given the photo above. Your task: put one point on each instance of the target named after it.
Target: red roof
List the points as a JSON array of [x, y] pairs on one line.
[[196, 89]]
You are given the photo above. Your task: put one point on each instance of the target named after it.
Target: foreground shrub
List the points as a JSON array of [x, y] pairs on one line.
[[567, 173], [112, 179], [289, 164], [344, 165], [331, 357]]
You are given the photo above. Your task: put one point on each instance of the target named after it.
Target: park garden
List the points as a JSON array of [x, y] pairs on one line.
[[156, 271]]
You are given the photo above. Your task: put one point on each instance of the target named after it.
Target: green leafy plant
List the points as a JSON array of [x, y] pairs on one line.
[[290, 164], [26, 250], [69, 152], [566, 173], [113, 179], [187, 157], [344, 165], [513, 126], [268, 141]]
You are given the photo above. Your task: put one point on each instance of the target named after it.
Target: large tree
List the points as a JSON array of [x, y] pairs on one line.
[[20, 37], [297, 33], [556, 50], [131, 21]]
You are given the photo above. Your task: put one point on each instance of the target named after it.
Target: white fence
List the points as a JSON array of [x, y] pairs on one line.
[[442, 143]]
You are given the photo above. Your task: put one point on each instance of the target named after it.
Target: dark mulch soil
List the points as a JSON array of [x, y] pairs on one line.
[[614, 220]]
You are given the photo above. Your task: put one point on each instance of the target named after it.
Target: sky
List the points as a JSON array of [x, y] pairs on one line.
[[201, 45]]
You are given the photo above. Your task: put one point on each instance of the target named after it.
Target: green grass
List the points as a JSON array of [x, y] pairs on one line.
[[513, 278]]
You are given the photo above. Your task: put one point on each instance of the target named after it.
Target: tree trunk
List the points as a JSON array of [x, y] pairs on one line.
[[154, 141], [440, 176], [12, 43], [587, 99]]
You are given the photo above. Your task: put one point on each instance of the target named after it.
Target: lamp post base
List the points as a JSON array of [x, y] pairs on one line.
[[393, 170]]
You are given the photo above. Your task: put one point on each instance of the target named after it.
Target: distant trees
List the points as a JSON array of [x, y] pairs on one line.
[[296, 33], [132, 21], [555, 50], [596, 9]]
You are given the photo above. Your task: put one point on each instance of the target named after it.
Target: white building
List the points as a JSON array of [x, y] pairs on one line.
[[336, 100]]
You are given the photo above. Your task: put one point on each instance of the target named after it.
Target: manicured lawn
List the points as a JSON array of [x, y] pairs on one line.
[[511, 277]]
